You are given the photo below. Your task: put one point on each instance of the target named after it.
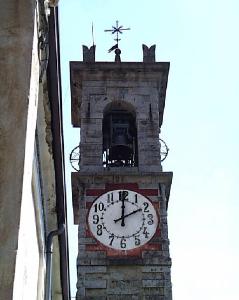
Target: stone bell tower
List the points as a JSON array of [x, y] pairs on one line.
[[120, 192]]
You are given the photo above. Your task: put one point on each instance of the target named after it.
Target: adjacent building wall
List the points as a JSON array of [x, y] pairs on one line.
[[16, 35], [28, 204]]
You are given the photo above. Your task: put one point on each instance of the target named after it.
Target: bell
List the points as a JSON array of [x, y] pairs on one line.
[[121, 146], [120, 139], [120, 152]]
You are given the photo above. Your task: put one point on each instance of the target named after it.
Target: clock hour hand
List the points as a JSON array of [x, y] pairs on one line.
[[125, 216]]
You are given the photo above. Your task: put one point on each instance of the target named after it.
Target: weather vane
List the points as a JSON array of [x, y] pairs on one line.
[[116, 29]]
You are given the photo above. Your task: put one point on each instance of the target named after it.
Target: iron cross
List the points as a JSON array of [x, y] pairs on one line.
[[116, 29]]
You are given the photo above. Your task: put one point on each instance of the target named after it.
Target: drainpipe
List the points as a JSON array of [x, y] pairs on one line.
[[49, 248]]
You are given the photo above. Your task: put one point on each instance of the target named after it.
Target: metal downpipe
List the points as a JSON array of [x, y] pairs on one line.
[[49, 252]]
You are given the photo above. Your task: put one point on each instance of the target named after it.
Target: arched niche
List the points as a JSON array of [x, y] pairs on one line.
[[119, 131]]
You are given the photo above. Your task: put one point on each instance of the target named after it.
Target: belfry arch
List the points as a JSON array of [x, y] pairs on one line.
[[119, 131]]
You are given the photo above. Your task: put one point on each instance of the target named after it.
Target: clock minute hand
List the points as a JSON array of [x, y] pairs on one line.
[[125, 216], [122, 196], [122, 212]]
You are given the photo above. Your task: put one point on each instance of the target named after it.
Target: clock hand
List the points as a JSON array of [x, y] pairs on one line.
[[122, 211], [125, 216]]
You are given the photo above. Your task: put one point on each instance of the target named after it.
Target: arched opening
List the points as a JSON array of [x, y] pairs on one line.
[[120, 147]]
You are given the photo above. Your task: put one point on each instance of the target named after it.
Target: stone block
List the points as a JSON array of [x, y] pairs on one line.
[[83, 261], [99, 262], [80, 293], [93, 254], [125, 262], [80, 283], [124, 287], [81, 248], [153, 276], [160, 260], [95, 284], [92, 122], [124, 297], [91, 138], [81, 231], [151, 283], [86, 241], [154, 297], [92, 269], [96, 294], [90, 199], [95, 276], [150, 254], [153, 269], [88, 147], [156, 240], [91, 161], [154, 291]]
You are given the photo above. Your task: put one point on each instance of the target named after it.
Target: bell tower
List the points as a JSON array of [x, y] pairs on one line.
[[120, 192]]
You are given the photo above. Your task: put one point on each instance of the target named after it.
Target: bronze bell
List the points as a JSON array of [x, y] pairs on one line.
[[121, 142], [119, 139], [120, 135]]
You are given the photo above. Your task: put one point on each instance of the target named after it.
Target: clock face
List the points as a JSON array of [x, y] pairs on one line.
[[122, 219]]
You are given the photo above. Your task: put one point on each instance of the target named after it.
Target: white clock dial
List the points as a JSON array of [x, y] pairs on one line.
[[122, 219]]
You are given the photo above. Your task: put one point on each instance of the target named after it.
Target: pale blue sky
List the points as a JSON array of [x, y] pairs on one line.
[[200, 39]]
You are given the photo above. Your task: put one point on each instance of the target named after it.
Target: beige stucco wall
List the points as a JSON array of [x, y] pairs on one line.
[[28, 256], [22, 257], [27, 262], [16, 36]]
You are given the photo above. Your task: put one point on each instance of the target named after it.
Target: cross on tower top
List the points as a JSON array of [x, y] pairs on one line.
[[116, 29]]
